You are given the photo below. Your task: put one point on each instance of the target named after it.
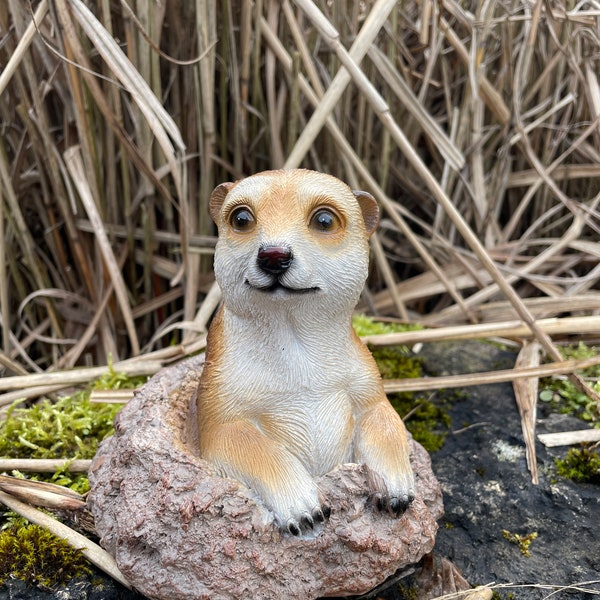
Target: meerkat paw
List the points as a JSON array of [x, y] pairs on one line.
[[396, 505], [297, 509], [298, 524], [392, 494]]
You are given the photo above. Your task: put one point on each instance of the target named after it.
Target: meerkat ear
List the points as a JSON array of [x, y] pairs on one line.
[[216, 199], [369, 208]]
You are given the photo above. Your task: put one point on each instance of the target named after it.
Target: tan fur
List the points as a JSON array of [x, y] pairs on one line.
[[288, 390]]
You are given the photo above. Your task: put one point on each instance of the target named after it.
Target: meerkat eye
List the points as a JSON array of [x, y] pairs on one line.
[[324, 220], [242, 219]]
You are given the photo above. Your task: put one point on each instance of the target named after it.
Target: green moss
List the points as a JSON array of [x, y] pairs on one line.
[[407, 591], [396, 362], [70, 428], [427, 421], [113, 380], [364, 325], [581, 465], [497, 596], [563, 396], [523, 541], [38, 557]]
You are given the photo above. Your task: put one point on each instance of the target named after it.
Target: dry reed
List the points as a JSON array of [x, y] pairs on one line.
[[476, 126]]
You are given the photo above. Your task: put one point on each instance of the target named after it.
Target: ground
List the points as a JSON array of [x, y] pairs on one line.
[[487, 491]]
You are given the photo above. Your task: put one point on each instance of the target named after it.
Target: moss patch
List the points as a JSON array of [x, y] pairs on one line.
[[407, 592], [71, 428], [523, 541], [364, 325], [35, 555], [581, 465], [561, 395], [427, 421]]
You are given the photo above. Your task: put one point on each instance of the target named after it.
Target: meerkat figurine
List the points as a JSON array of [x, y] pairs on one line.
[[288, 391]]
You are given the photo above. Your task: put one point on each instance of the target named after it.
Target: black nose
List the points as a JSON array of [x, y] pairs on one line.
[[274, 259]]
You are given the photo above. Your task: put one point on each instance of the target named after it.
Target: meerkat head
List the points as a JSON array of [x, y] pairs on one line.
[[288, 238]]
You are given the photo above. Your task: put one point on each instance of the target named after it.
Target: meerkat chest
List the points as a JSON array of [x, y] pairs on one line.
[[304, 401], [315, 425]]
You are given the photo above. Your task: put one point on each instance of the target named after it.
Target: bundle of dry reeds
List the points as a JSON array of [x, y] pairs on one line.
[[475, 124]]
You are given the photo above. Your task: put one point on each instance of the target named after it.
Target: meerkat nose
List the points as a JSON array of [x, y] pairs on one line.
[[274, 259]]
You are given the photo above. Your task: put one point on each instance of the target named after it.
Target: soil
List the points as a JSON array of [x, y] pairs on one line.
[[487, 490]]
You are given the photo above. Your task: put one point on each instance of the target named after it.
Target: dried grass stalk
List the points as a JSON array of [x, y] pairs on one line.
[[44, 465], [94, 553], [506, 329], [570, 438], [41, 493], [526, 394], [454, 381], [483, 162]]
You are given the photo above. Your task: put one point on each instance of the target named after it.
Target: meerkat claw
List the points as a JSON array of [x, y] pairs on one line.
[[307, 521], [399, 505], [394, 505], [318, 515], [293, 527]]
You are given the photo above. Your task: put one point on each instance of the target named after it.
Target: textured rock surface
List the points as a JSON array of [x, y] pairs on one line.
[[177, 531], [487, 489]]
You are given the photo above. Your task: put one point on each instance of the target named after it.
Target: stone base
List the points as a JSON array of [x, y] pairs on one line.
[[178, 531]]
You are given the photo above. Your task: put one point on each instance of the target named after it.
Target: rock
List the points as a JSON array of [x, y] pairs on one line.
[[96, 586], [487, 489], [178, 531]]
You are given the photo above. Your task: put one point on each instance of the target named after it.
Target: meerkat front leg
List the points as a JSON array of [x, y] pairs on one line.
[[240, 450], [381, 444]]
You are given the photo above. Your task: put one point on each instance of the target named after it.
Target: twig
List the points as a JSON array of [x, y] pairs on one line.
[[500, 376], [526, 394], [42, 493], [23, 45], [94, 553], [44, 465], [506, 329], [111, 396], [569, 438]]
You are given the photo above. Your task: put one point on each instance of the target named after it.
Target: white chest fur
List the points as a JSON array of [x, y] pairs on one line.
[[298, 389]]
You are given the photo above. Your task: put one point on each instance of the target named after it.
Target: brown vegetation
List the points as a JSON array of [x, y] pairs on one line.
[[476, 125]]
